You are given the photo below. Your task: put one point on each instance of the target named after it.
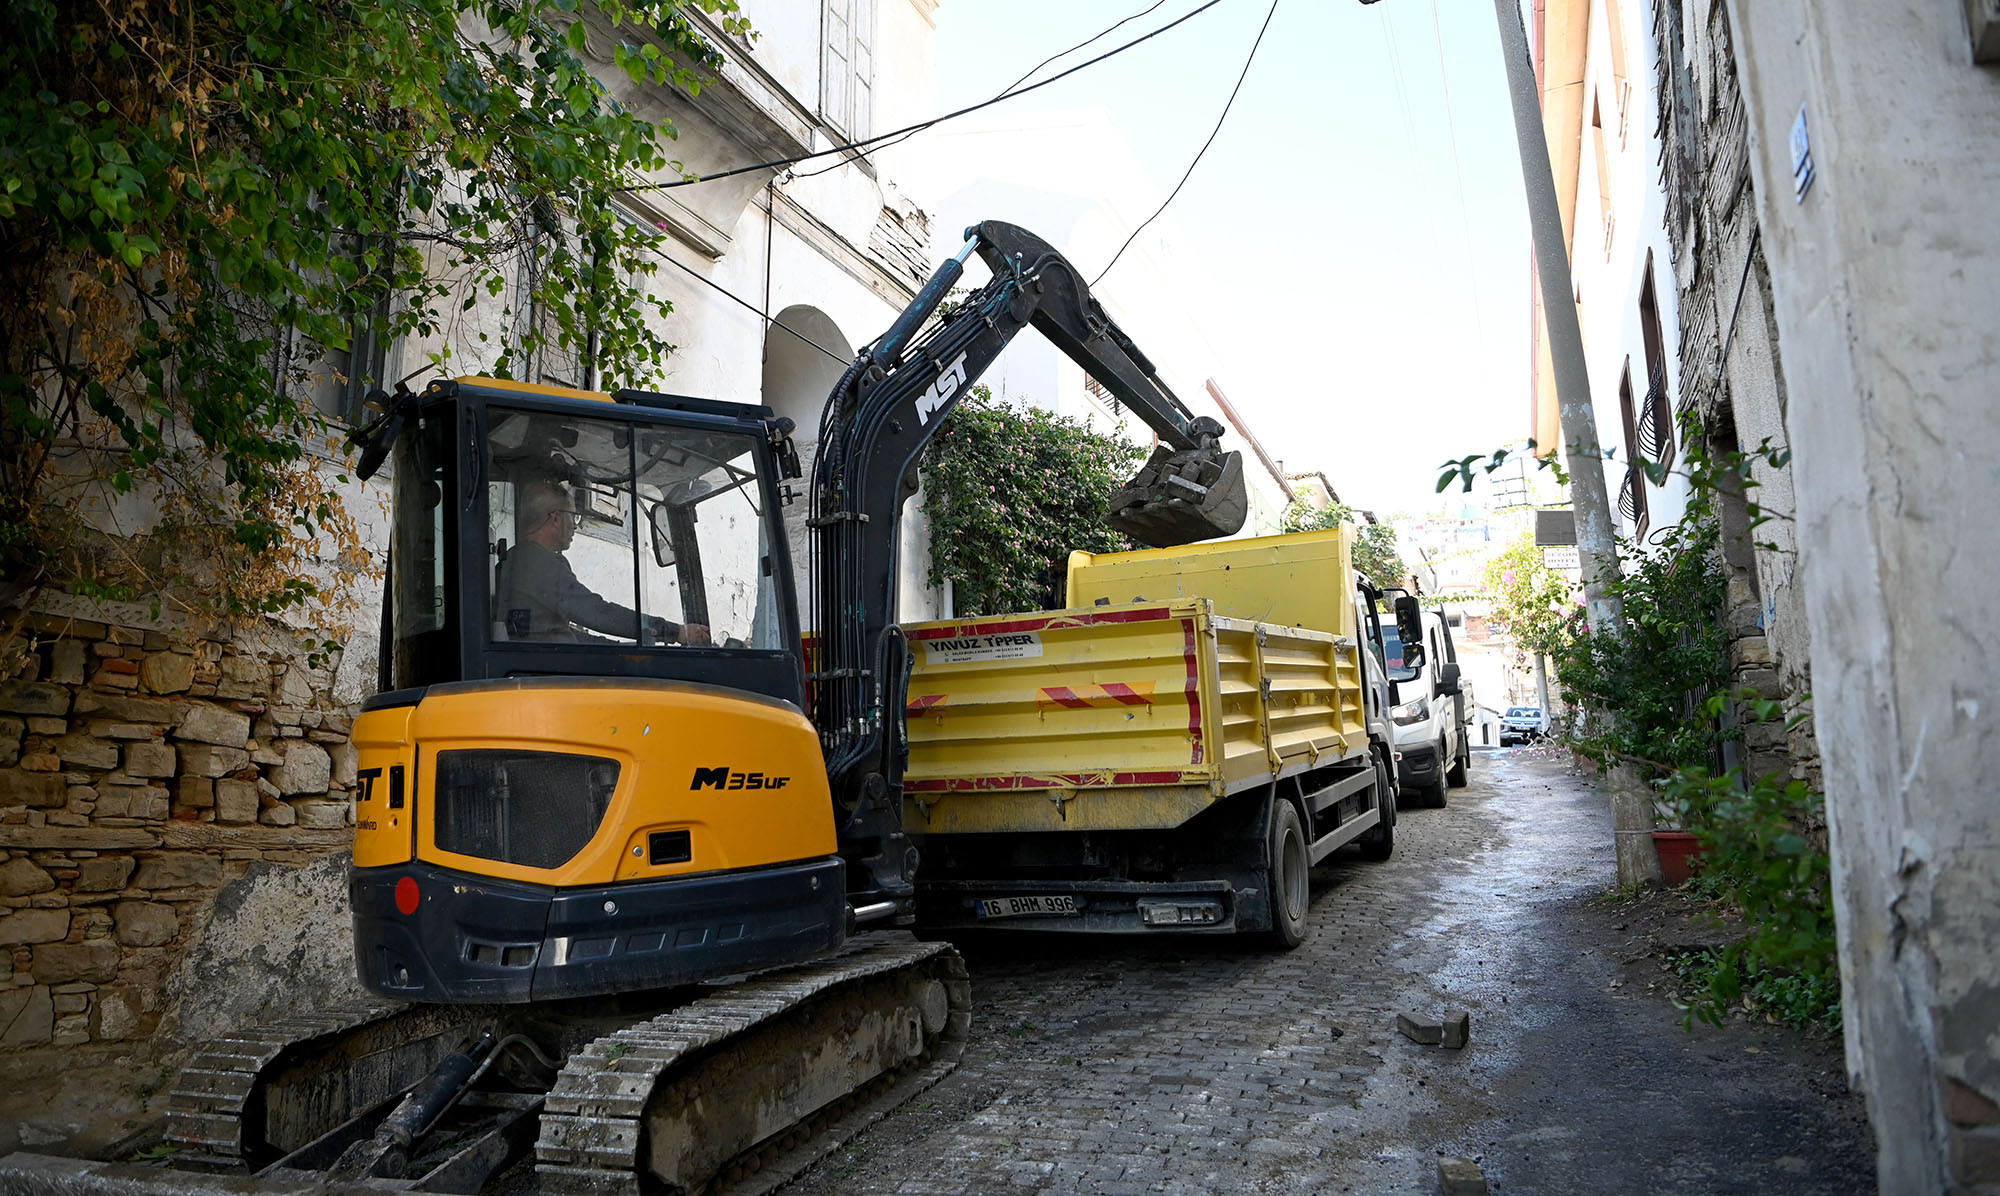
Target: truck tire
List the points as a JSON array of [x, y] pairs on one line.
[[1457, 776], [1377, 845], [1286, 879], [1432, 794]]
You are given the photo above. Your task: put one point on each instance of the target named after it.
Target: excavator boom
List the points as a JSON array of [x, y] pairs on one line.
[[888, 405]]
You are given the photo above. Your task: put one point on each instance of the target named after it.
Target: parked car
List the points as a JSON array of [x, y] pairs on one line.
[[1522, 724]]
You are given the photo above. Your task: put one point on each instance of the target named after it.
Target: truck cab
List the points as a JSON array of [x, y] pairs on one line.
[[1430, 707]]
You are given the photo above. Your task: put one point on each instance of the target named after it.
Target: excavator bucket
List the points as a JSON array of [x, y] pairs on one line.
[[1183, 496]]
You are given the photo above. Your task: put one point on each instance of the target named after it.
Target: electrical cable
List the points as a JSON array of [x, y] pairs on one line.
[[921, 125], [1402, 88], [1004, 92], [1458, 172], [1252, 57], [745, 304]]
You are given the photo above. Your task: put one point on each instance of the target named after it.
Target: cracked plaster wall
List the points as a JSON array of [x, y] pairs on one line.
[[1886, 291]]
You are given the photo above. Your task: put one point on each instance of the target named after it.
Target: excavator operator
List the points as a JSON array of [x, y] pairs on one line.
[[539, 595]]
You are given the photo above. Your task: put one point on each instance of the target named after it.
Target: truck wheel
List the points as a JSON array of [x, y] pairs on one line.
[[1378, 844], [1432, 794], [1457, 775], [1286, 879]]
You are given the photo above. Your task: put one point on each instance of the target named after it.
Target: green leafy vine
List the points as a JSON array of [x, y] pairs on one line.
[[1010, 494]]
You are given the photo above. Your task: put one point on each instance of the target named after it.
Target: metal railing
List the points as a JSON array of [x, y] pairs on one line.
[[1656, 427], [1632, 496]]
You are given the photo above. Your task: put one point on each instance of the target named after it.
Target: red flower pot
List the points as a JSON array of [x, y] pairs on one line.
[[1680, 855]]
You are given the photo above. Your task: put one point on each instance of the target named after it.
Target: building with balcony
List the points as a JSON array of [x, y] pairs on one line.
[[1596, 70]]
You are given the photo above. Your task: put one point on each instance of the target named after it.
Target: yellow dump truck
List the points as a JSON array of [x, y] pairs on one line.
[[1174, 751]]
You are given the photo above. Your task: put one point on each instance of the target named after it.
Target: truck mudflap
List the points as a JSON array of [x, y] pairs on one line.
[[746, 1083]]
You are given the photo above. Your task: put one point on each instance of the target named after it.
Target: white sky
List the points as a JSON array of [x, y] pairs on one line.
[[1365, 285]]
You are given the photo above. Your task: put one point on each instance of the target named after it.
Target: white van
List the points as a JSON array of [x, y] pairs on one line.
[[1431, 708]]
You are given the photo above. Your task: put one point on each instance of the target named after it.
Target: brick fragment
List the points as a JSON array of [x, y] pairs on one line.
[[1457, 1028], [1420, 1028], [1460, 1177]]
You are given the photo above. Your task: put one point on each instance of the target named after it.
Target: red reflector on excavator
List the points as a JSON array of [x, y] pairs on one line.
[[406, 895]]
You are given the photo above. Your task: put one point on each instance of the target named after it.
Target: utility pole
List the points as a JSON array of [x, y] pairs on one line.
[[1597, 549], [1596, 545]]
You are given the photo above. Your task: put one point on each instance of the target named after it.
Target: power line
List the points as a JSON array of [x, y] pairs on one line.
[[745, 304], [1402, 89], [936, 120], [1004, 92], [1252, 57], [1458, 172]]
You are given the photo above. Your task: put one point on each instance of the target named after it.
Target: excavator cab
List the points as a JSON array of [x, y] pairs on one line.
[[589, 768]]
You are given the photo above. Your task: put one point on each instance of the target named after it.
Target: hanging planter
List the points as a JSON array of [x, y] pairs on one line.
[[1680, 855]]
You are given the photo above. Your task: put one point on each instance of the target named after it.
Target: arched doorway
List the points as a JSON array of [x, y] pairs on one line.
[[804, 356]]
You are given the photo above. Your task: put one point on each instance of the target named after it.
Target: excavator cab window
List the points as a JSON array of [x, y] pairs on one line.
[[636, 534]]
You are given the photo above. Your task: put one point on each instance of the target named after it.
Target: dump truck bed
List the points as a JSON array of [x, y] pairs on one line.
[[1126, 717]]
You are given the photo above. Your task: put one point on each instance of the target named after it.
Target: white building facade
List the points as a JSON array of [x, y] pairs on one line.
[[1596, 63], [778, 275]]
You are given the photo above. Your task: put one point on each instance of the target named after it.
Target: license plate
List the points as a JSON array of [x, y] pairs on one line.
[[1014, 907]]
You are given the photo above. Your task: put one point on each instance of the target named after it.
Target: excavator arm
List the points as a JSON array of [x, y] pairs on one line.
[[888, 405]]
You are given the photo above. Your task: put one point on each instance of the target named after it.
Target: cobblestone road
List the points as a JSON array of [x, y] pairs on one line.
[[1138, 1066]]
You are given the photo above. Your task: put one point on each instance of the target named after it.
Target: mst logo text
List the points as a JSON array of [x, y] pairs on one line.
[[725, 778]]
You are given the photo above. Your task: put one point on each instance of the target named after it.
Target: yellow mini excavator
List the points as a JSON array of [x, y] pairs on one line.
[[604, 780]]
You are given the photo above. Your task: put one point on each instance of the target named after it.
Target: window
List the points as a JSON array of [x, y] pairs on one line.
[[597, 530], [847, 76], [1102, 396], [1603, 173], [1621, 84]]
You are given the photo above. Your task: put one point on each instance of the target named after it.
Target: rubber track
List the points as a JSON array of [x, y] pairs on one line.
[[592, 1120], [205, 1106]]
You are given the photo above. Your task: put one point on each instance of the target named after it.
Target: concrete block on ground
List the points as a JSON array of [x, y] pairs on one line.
[[1460, 1177], [1420, 1028], [1457, 1028]]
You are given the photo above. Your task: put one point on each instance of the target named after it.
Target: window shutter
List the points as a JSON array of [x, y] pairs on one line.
[[862, 121], [837, 66]]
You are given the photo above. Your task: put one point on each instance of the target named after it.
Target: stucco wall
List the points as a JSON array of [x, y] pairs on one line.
[[1887, 290], [1610, 271]]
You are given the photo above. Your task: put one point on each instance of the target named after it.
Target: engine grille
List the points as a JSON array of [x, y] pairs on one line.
[[536, 809]]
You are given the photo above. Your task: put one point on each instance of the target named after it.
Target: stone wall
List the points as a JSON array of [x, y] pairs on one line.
[[1731, 371], [144, 775]]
